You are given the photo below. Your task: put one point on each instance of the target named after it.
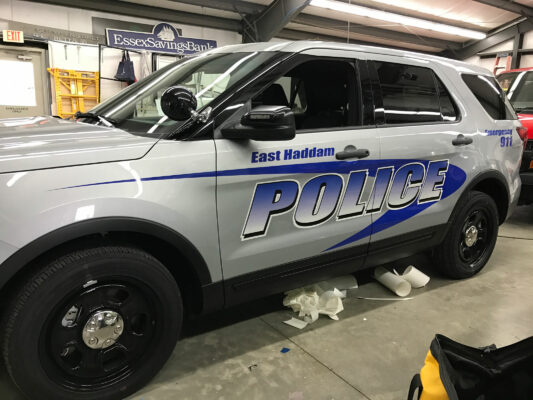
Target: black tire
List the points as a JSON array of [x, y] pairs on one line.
[[43, 348], [454, 257]]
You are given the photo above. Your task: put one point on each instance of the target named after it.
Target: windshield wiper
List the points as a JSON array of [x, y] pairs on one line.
[[110, 123]]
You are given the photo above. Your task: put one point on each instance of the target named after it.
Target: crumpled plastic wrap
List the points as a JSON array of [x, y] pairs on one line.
[[321, 298]]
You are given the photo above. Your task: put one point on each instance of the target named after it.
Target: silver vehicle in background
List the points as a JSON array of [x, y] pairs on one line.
[[241, 172]]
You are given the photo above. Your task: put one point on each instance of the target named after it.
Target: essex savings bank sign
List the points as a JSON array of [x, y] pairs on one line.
[[163, 39]]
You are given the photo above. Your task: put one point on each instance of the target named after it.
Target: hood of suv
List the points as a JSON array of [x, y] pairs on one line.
[[47, 142]]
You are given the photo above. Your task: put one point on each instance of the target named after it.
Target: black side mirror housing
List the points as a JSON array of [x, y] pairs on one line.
[[178, 103], [264, 123]]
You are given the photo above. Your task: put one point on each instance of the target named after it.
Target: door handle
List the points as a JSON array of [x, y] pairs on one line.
[[461, 140], [352, 152]]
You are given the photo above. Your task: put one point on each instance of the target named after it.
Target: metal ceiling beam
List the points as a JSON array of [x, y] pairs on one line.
[[312, 20], [143, 11], [247, 9], [508, 5], [517, 45], [321, 22], [292, 34], [272, 20], [237, 6], [490, 41]]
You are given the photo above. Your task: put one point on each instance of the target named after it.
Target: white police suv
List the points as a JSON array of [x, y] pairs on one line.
[[237, 173]]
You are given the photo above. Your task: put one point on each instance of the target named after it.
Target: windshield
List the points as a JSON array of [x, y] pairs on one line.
[[137, 109], [519, 89]]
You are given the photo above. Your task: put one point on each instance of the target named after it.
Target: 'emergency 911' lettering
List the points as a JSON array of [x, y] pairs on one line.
[[320, 196]]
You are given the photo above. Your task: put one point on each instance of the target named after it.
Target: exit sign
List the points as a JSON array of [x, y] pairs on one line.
[[13, 36]]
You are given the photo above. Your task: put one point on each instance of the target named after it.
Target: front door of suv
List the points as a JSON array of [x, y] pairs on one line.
[[286, 207]]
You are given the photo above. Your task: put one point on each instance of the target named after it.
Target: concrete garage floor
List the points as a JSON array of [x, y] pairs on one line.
[[371, 353]]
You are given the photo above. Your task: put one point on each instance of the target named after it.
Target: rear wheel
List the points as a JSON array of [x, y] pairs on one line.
[[94, 324], [471, 237]]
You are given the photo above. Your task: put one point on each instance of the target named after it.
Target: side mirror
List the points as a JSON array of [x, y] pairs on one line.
[[178, 103], [264, 123]]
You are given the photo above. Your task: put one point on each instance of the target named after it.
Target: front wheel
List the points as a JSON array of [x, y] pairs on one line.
[[471, 237], [94, 324]]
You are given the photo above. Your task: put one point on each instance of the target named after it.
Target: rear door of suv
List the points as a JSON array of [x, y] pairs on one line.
[[426, 159]]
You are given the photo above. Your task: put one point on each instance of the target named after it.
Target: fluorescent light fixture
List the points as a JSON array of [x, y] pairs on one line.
[[397, 18]]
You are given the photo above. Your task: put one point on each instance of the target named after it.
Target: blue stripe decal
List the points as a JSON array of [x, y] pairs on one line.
[[153, 178], [341, 167], [455, 177]]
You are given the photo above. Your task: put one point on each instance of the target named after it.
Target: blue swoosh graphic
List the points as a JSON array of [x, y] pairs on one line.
[[341, 167], [455, 177]]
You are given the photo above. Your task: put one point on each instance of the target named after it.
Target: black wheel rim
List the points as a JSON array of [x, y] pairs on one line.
[[71, 363], [470, 252]]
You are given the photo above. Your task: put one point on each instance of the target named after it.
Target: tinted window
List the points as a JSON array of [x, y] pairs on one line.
[[519, 89], [507, 79], [409, 93], [321, 93], [137, 109], [490, 95], [448, 109]]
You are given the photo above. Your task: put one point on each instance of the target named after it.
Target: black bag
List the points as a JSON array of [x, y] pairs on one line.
[[457, 372], [125, 72]]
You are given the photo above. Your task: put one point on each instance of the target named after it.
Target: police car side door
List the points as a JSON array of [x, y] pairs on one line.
[[418, 121], [286, 207]]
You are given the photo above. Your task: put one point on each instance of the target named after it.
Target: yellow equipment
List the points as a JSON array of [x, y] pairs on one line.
[[74, 91]]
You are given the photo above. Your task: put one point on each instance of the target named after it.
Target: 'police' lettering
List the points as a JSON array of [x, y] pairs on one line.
[[406, 185], [351, 205], [381, 185], [318, 200], [269, 199], [432, 189], [320, 195]]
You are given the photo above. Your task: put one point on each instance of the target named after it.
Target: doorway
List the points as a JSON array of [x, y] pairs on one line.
[[22, 81]]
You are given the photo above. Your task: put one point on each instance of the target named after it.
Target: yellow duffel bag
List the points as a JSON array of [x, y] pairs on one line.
[[453, 371]]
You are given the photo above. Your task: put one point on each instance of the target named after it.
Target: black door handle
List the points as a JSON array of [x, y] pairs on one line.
[[461, 140], [352, 152]]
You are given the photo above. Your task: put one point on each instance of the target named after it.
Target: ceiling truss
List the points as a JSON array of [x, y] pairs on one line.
[[261, 23]]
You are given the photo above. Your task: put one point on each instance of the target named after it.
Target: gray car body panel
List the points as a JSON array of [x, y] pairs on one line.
[[204, 189], [46, 142]]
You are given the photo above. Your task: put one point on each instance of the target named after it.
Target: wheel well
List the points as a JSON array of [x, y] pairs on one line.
[[178, 265], [497, 190]]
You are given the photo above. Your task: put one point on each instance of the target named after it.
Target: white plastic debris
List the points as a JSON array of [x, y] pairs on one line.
[[297, 323], [394, 283], [321, 298], [415, 277], [344, 282]]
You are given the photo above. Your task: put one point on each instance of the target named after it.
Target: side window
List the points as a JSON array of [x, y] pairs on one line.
[[321, 93], [409, 93], [490, 95], [448, 109]]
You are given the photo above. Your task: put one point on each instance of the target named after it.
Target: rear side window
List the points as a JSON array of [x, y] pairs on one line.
[[490, 95], [413, 95], [448, 109]]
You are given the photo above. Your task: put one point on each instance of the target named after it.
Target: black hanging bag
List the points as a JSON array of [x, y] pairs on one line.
[[125, 71]]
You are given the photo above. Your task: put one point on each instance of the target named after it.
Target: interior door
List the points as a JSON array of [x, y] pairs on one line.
[[287, 207], [22, 82]]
